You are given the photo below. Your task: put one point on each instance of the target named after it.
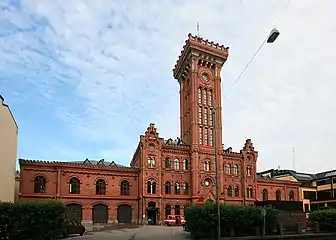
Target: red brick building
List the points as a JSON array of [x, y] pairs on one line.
[[164, 176]]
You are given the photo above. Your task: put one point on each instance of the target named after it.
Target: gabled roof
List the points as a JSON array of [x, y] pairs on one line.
[[276, 173]]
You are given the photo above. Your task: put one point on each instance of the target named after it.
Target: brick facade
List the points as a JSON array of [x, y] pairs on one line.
[[186, 164]]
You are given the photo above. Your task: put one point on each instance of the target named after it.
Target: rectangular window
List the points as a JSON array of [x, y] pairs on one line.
[[199, 96], [210, 117], [200, 135], [205, 96], [205, 136], [211, 137], [199, 115], [205, 116], [210, 98]]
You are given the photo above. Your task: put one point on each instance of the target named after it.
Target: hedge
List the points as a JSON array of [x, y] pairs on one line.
[[326, 219], [31, 220], [201, 221]]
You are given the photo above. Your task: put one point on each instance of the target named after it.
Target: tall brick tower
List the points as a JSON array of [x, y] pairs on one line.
[[198, 72]]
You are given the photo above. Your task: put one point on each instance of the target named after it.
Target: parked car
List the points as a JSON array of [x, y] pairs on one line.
[[73, 227], [174, 220]]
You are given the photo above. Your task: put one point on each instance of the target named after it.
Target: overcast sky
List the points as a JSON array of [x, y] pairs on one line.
[[85, 78]]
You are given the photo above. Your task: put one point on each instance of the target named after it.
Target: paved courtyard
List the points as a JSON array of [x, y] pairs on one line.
[[142, 233]]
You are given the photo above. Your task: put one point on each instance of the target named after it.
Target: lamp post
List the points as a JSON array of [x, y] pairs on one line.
[[213, 112]]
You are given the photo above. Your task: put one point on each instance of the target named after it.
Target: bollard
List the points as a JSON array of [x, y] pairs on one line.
[[232, 233], [298, 227], [280, 228], [316, 227]]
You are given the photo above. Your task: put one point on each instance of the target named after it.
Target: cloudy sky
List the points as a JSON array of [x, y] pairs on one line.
[[85, 78]]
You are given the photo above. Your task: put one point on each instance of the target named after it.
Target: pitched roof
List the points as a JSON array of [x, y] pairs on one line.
[[85, 163]]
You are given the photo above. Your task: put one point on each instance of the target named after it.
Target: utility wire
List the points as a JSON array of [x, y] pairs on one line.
[[255, 54]]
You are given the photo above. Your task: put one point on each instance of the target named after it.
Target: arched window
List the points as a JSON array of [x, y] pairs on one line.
[[265, 195], [100, 187], [185, 164], [177, 164], [40, 183], [248, 171], [236, 191], [235, 169], [291, 196], [177, 188], [278, 195], [207, 165], [151, 187], [168, 210], [228, 169], [185, 188], [249, 192], [151, 162], [168, 188], [74, 186], [167, 162], [229, 191], [124, 188]]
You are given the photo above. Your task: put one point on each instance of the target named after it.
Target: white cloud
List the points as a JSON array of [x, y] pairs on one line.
[[115, 58]]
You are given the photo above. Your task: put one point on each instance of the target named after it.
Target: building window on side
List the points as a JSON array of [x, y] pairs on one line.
[[167, 188], [177, 210], [291, 196], [228, 169], [199, 115], [177, 188], [236, 191], [210, 118], [40, 183], [74, 186], [235, 169], [229, 191], [185, 188], [168, 210], [124, 188], [248, 171], [200, 132], [205, 96], [205, 136], [176, 164], [151, 162], [265, 195], [278, 195], [151, 187], [167, 162], [210, 98], [185, 164], [199, 96], [205, 116], [100, 187], [207, 165], [249, 192], [211, 137]]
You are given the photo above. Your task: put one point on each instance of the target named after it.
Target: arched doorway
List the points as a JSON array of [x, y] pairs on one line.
[[100, 213], [152, 213], [124, 214], [75, 212]]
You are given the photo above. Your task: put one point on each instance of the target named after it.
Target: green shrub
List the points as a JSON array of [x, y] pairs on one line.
[[31, 220], [201, 221], [326, 218]]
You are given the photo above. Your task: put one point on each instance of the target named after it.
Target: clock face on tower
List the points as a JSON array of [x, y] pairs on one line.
[[205, 77]]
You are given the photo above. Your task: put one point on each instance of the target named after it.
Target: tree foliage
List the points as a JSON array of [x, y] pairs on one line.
[[31, 220], [201, 221], [326, 219]]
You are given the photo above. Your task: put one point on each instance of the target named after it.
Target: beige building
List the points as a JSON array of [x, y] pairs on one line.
[[8, 152]]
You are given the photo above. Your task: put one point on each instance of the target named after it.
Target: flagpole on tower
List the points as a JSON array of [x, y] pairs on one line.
[[198, 29], [293, 158]]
